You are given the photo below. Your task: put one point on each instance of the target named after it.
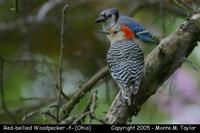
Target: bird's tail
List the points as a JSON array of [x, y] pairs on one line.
[[127, 96]]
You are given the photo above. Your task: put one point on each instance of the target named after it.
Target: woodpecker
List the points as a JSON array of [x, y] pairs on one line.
[[110, 17], [125, 61]]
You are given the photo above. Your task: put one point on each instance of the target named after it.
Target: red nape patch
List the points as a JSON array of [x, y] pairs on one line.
[[127, 31]]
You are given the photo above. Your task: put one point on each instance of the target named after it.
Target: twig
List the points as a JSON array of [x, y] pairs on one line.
[[94, 101], [38, 109], [87, 108], [47, 113], [81, 117], [69, 120], [93, 105], [183, 6], [29, 115], [83, 90], [91, 108], [61, 59], [2, 91], [16, 7], [51, 115], [48, 6], [62, 93]]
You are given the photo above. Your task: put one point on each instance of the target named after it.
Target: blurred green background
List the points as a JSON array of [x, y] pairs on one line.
[[30, 49]]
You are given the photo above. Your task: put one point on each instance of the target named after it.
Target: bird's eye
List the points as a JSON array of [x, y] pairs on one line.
[[109, 15], [115, 32]]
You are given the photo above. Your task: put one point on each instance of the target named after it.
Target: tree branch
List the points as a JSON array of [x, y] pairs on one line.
[[159, 65], [83, 89], [16, 7], [48, 6], [181, 4], [89, 110], [60, 69]]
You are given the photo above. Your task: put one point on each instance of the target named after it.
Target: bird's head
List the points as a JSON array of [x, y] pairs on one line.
[[108, 17], [119, 32]]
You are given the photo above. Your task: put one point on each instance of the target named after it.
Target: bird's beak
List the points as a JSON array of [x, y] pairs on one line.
[[104, 32], [100, 19]]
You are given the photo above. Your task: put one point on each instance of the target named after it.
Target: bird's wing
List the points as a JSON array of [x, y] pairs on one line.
[[136, 27], [140, 32]]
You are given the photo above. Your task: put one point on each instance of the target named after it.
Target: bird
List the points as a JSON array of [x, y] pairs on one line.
[[111, 16], [125, 61]]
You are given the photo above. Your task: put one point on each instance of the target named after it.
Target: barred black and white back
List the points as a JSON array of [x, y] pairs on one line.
[[126, 61]]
